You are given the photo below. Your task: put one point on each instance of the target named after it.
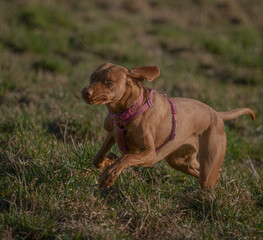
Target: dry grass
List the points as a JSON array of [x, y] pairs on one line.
[[207, 50]]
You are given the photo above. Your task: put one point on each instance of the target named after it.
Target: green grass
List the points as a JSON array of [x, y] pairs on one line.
[[49, 136], [240, 46]]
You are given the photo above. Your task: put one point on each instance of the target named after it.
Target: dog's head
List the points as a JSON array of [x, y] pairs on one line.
[[109, 82]]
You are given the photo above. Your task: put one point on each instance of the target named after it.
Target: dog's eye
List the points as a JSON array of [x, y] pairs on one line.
[[109, 82]]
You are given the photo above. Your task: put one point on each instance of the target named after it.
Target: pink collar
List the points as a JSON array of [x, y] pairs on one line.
[[121, 120], [124, 116]]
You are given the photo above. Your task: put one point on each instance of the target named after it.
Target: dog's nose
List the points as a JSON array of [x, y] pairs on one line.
[[86, 92]]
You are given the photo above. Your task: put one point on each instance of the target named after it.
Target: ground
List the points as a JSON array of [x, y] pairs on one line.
[[207, 50]]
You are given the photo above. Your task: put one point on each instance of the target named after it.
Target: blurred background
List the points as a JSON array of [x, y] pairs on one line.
[[207, 50], [211, 51]]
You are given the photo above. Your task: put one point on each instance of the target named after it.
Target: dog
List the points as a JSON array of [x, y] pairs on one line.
[[149, 127]]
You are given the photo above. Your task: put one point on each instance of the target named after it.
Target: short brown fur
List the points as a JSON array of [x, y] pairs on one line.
[[200, 130]]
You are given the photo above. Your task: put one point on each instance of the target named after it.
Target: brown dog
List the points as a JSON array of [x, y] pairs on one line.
[[200, 129]]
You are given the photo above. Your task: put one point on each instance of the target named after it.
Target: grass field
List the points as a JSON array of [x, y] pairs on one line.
[[207, 50]]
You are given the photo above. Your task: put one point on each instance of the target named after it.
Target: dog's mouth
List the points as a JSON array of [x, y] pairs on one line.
[[97, 101]]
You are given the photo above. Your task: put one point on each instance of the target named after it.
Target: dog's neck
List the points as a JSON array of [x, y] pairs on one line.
[[130, 97]]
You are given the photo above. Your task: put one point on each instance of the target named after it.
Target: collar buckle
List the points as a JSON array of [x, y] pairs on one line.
[[125, 116], [149, 101]]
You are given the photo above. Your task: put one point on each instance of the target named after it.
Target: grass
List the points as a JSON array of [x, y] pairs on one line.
[[49, 136]]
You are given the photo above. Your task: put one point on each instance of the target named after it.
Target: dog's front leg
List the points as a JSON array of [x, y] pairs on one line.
[[101, 160], [143, 159]]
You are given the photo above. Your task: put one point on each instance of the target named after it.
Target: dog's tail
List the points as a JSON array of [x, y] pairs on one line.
[[236, 113]]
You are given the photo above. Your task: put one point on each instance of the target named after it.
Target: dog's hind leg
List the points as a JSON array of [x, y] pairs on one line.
[[212, 149], [184, 158]]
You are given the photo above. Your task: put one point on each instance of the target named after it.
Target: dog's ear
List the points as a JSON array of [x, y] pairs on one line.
[[148, 73]]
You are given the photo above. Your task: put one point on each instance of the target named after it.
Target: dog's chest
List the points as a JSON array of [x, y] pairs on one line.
[[129, 137]]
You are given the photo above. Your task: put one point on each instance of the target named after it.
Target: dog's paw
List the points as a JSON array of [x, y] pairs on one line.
[[107, 161], [109, 176]]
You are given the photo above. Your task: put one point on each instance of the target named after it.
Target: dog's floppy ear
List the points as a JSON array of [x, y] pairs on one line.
[[148, 73]]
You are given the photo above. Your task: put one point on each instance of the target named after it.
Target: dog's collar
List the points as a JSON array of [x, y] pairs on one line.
[[121, 120], [124, 116]]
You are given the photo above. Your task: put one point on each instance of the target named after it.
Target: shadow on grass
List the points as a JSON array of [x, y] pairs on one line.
[[69, 130]]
